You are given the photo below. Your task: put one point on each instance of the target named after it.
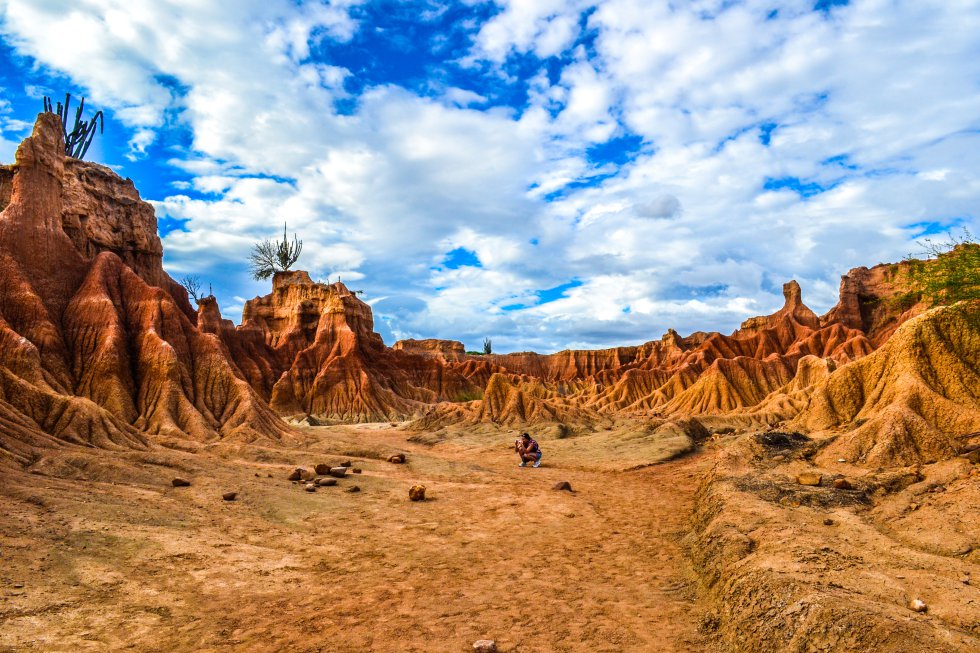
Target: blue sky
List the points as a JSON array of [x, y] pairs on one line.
[[546, 173]]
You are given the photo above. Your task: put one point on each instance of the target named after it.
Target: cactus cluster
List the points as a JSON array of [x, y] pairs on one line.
[[80, 137]]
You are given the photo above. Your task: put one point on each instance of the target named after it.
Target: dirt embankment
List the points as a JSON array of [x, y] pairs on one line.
[[886, 562]]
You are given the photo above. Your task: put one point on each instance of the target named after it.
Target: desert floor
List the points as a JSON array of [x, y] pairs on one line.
[[99, 552]]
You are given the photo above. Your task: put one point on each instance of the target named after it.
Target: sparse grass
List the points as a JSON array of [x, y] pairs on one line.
[[472, 394]]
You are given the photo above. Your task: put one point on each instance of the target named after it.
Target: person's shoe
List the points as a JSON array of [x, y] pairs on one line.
[[523, 464], [537, 464]]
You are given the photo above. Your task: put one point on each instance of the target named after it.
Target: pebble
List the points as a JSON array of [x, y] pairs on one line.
[[346, 463], [355, 470], [322, 469], [338, 472], [485, 646], [310, 487], [417, 493], [809, 478], [229, 496], [965, 580], [326, 482], [180, 482], [842, 484], [562, 485], [917, 605], [828, 522], [842, 460], [296, 474], [398, 459], [779, 458], [353, 488]]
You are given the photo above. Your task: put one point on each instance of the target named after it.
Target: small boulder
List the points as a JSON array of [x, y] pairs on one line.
[[338, 472], [416, 493], [296, 474], [311, 487], [778, 458], [346, 463], [828, 522], [398, 459], [307, 475], [180, 482], [326, 482], [229, 496], [355, 470], [485, 646], [918, 605], [562, 485], [842, 484], [809, 478], [353, 488], [322, 469]]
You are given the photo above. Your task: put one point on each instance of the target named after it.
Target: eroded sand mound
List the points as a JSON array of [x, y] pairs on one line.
[[910, 401]]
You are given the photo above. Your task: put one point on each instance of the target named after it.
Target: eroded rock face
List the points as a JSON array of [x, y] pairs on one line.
[[99, 344], [451, 349]]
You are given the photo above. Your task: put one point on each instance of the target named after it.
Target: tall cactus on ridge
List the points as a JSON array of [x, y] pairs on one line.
[[77, 140]]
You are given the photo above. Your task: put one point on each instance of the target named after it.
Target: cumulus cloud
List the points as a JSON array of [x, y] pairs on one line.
[[666, 164]]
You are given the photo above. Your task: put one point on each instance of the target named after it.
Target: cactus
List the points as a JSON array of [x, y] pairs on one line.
[[78, 140]]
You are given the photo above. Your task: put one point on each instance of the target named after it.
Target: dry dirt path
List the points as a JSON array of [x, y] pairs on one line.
[[122, 561]]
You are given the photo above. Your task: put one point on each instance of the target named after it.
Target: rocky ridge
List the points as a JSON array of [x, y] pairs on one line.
[[96, 327]]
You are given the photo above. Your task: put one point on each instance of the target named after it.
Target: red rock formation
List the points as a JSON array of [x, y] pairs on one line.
[[100, 346], [446, 349]]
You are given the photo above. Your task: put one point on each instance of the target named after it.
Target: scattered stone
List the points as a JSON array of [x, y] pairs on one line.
[[18, 586], [180, 482], [779, 458], [917, 605], [562, 485], [485, 646], [828, 522], [842, 484], [256, 475], [346, 463], [311, 487], [398, 459], [965, 580], [841, 460], [322, 469], [353, 488], [296, 474], [307, 475], [417, 493], [229, 496], [338, 472], [268, 475], [809, 478], [913, 506], [355, 470], [326, 482]]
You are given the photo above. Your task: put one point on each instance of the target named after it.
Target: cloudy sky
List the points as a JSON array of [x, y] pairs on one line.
[[546, 173]]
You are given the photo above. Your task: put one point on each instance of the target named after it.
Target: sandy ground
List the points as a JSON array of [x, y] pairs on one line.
[[98, 552]]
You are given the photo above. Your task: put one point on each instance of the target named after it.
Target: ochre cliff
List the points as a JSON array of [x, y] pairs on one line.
[[99, 345]]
